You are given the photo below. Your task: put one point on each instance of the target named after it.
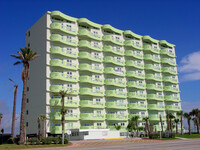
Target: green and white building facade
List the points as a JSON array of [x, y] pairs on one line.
[[111, 75]]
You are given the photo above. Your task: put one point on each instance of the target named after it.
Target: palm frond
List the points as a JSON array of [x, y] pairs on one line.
[[16, 63]]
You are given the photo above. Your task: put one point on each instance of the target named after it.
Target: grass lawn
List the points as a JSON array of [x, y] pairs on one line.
[[14, 146], [188, 136]]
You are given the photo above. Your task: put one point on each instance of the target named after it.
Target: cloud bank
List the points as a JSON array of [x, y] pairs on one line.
[[190, 67]]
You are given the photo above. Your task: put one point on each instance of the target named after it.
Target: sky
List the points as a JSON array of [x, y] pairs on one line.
[[177, 21]]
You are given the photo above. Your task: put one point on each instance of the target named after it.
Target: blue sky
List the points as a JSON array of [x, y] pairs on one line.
[[176, 21]]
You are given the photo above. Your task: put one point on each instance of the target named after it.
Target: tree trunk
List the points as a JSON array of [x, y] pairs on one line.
[[176, 128], [63, 121], [44, 135], [14, 111], [181, 124], [189, 127], [38, 130], [23, 105], [161, 123], [197, 124], [168, 125], [148, 128], [137, 127], [0, 123]]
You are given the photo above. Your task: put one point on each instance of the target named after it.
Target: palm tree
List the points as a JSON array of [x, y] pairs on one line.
[[168, 124], [171, 116], [25, 56], [196, 113], [117, 127], [38, 121], [63, 112], [188, 117], [131, 126], [176, 121], [135, 119], [180, 114], [146, 119], [1, 116], [161, 123], [14, 107], [43, 118]]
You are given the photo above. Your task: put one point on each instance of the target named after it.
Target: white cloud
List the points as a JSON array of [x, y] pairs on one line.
[[190, 67]]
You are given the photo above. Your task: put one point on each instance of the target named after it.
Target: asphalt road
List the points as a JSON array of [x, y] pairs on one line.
[[193, 144]]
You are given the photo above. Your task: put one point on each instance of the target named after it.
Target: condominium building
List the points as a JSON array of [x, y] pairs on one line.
[[110, 75]]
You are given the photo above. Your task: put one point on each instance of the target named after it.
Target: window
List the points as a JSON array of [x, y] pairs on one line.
[[27, 89], [69, 98], [70, 111], [29, 45], [26, 124], [69, 27], [27, 112], [122, 124], [27, 100], [29, 33], [98, 99], [98, 124]]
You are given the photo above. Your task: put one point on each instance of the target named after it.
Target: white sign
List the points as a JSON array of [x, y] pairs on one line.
[[69, 132]]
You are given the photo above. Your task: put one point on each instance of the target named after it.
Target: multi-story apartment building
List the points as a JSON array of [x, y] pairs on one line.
[[110, 74]]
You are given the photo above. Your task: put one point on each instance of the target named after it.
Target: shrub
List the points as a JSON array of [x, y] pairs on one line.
[[10, 141], [60, 141], [55, 140], [47, 140], [154, 136], [34, 141]]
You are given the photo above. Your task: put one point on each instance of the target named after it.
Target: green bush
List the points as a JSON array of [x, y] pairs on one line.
[[34, 141], [55, 140], [154, 136], [60, 141], [47, 140], [10, 141]]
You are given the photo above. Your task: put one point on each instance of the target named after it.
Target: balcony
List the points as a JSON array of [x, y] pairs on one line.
[[136, 95], [152, 67], [69, 116], [114, 93], [86, 22], [165, 43], [117, 117], [153, 77], [172, 98], [110, 70], [114, 60], [92, 117], [155, 107], [170, 79], [172, 108], [89, 34], [170, 88], [91, 104], [56, 129], [133, 44], [150, 48], [57, 26], [133, 54], [91, 92], [166, 51], [92, 127], [114, 50], [137, 106], [122, 129], [59, 51], [170, 70], [109, 28], [135, 74], [58, 14], [155, 97], [169, 61], [63, 77], [140, 116], [88, 45], [58, 88], [92, 80], [91, 68], [154, 87], [115, 82], [110, 38], [152, 58], [67, 103], [156, 117], [116, 105], [137, 85], [132, 63], [63, 40], [88, 56], [63, 64]]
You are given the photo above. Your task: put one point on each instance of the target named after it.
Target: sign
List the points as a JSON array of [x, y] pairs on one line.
[[167, 134], [69, 132]]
